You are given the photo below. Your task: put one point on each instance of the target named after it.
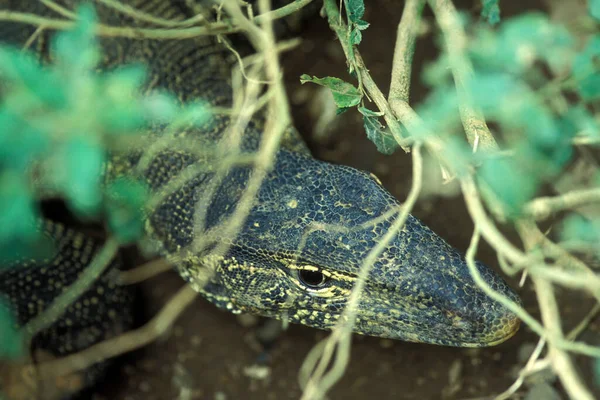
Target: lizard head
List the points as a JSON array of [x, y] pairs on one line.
[[300, 251]]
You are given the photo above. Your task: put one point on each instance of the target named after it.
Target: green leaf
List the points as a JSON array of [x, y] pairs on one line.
[[520, 42], [511, 186], [125, 209], [18, 215], [11, 344], [17, 210], [490, 11], [197, 114], [361, 25], [124, 83], [355, 37], [586, 70], [594, 8], [341, 110], [577, 227], [578, 120], [356, 9], [345, 94], [368, 113], [20, 143], [27, 81], [160, 107], [384, 141], [459, 155], [76, 50], [78, 171]]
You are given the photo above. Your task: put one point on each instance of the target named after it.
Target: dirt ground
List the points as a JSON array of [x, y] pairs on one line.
[[210, 354]]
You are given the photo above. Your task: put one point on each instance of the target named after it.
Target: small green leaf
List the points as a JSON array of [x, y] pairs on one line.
[[578, 120], [508, 183], [160, 107], [345, 94], [356, 9], [490, 11], [368, 113], [586, 70], [197, 114], [594, 8], [125, 209], [11, 345], [20, 143], [361, 25], [18, 229], [579, 228], [355, 37], [78, 172], [384, 141], [17, 210], [22, 74], [125, 82], [520, 42], [76, 50]]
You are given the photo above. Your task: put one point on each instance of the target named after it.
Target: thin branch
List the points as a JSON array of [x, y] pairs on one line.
[[404, 50], [142, 16], [543, 207], [493, 294], [524, 372], [144, 272], [561, 361], [583, 324], [221, 27], [488, 229], [455, 38]]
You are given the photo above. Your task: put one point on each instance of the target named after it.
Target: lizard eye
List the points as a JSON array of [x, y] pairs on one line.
[[312, 279]]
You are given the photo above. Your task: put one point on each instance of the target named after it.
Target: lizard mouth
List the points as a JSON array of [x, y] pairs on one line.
[[497, 336], [507, 331]]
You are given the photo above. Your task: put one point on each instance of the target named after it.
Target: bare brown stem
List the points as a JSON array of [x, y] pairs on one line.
[[403, 52]]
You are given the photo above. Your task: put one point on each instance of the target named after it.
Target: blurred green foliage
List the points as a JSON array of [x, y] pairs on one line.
[[59, 123], [594, 8], [490, 11], [585, 231], [523, 72], [10, 339]]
